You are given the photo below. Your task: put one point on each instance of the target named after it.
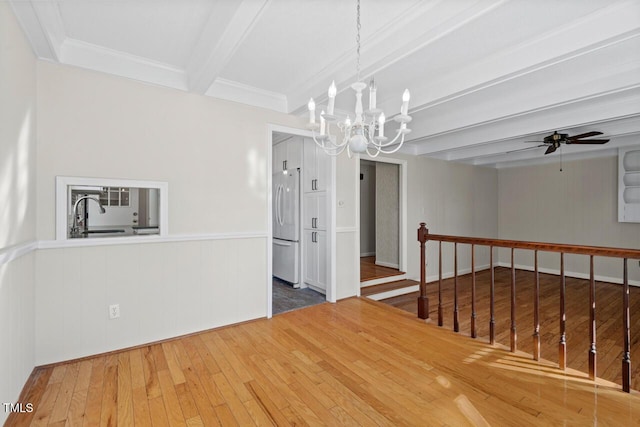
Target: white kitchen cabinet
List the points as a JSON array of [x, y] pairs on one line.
[[315, 211], [315, 259], [287, 155], [315, 174], [315, 165]]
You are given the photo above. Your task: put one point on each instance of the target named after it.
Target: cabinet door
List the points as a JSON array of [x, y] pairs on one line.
[[314, 211], [321, 249], [310, 258], [309, 166]]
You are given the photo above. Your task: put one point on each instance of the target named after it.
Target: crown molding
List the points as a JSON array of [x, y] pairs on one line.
[[238, 92], [94, 57], [42, 25]]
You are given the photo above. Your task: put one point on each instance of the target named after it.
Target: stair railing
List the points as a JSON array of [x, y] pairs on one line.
[[591, 251]]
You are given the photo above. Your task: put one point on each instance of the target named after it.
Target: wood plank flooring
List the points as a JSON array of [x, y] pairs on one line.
[[356, 362], [370, 271], [609, 335]]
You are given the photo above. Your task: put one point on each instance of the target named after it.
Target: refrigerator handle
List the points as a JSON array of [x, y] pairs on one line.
[[277, 203], [281, 202], [278, 243]]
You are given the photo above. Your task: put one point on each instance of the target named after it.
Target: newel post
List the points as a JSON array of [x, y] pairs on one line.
[[423, 300]]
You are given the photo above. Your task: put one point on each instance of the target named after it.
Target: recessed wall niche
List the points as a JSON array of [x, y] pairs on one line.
[[99, 208]]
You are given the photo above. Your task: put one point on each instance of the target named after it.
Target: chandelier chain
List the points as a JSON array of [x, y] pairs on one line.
[[358, 42]]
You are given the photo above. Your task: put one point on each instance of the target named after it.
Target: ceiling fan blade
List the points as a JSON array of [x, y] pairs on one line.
[[589, 141], [551, 149], [537, 142], [584, 135], [522, 149]]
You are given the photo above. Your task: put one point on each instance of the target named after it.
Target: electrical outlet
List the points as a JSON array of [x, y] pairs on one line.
[[114, 311]]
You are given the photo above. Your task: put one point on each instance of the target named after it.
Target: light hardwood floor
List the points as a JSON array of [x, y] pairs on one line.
[[609, 335], [369, 270], [357, 362]]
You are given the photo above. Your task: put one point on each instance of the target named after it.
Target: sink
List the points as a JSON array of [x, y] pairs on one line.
[[119, 230]]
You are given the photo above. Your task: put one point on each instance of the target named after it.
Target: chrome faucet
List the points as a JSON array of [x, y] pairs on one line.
[[74, 227]]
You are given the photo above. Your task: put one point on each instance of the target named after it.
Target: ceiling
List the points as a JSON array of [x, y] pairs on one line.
[[484, 75]]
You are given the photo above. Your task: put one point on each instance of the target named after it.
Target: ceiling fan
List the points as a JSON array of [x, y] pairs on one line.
[[553, 141]]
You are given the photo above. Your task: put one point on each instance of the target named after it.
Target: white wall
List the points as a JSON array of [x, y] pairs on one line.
[[212, 153], [576, 206], [17, 207], [450, 198]]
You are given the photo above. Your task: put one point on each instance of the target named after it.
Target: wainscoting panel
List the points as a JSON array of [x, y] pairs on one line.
[[163, 290], [16, 319]]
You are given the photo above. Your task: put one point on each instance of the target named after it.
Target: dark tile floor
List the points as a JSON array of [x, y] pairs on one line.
[[286, 298]]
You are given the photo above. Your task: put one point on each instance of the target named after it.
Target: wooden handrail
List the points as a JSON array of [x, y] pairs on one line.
[[545, 247], [625, 253]]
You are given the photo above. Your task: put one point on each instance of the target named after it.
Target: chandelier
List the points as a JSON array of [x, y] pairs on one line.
[[366, 132]]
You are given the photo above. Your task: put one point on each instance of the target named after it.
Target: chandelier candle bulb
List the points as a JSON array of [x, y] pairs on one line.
[[405, 102], [322, 124], [381, 125], [332, 97], [312, 111], [372, 95]]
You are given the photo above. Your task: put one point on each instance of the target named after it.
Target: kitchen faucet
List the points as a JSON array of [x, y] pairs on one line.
[[74, 227]]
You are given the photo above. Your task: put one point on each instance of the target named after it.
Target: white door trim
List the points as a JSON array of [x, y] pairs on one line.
[[331, 224], [402, 261]]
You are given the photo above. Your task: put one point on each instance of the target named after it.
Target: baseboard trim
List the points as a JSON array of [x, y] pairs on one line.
[[387, 264], [555, 272], [139, 346], [449, 274], [367, 254]]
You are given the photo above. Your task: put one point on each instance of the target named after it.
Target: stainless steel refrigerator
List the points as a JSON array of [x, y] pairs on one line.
[[286, 226]]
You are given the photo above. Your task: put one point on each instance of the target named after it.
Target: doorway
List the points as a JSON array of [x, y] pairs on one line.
[[381, 231], [291, 284]]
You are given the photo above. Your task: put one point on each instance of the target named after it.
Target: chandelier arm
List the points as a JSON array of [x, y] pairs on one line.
[[381, 148], [333, 149], [376, 154], [395, 149], [387, 144]]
